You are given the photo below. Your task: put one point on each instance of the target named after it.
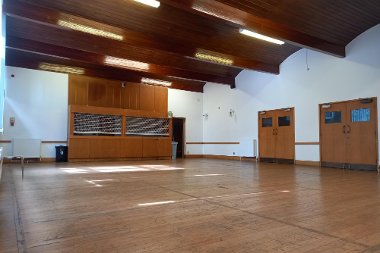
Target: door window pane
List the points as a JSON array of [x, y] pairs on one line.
[[361, 115], [284, 121], [333, 117], [267, 122]]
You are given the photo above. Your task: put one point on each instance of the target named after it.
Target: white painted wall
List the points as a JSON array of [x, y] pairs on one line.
[[38, 101], [329, 79], [190, 106]]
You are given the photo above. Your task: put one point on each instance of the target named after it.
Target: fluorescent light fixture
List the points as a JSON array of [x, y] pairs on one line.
[[217, 12], [125, 63], [155, 82], [260, 36], [90, 30], [152, 3], [213, 58], [61, 68]]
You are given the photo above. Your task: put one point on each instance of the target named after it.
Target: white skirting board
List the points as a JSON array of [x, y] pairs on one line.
[[28, 148]]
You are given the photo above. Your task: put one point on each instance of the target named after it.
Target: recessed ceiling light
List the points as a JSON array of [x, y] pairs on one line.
[[155, 82], [90, 30], [125, 63], [213, 58], [61, 68], [152, 3], [260, 36]]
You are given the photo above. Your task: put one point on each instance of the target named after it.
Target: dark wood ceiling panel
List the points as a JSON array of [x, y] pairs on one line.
[[226, 13], [160, 63], [51, 17], [178, 25], [167, 38], [17, 58], [338, 21]]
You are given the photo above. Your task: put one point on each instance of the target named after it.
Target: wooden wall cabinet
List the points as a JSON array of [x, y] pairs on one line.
[[102, 96]]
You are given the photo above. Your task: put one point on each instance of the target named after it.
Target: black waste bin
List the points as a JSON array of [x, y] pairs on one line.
[[60, 154]]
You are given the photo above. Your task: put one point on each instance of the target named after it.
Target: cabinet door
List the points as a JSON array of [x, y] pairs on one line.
[[150, 147], [133, 147], [361, 132], [284, 132], [104, 93], [164, 146], [267, 140], [79, 148], [333, 118], [131, 96], [106, 148], [161, 100], [78, 87], [146, 97]]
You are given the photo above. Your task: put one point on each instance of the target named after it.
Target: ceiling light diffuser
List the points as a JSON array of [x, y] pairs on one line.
[[214, 58], [61, 68], [152, 3], [155, 82], [125, 63], [260, 36], [90, 30]]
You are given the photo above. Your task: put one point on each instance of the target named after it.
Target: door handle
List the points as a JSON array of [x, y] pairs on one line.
[[349, 129], [274, 131], [344, 129]]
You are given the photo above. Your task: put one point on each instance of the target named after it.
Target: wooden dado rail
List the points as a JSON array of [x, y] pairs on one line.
[[213, 143], [307, 143], [42, 142]]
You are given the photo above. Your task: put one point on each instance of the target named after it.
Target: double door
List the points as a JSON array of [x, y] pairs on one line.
[[276, 135], [348, 134]]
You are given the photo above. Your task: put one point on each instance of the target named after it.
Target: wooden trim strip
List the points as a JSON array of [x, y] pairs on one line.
[[43, 142], [53, 142], [213, 143], [307, 143], [308, 163]]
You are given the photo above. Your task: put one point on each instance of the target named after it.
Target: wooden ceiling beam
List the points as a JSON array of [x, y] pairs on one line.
[[93, 58], [23, 59], [51, 17], [241, 19], [102, 46]]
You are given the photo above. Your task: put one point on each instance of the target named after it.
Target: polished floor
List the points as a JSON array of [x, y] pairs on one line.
[[194, 205]]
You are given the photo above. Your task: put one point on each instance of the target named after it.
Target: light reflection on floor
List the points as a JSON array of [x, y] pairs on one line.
[[110, 169]]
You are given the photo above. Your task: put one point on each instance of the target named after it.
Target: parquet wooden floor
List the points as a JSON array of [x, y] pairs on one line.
[[193, 205]]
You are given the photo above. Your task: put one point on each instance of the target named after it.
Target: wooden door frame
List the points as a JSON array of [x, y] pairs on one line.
[[348, 101], [183, 134]]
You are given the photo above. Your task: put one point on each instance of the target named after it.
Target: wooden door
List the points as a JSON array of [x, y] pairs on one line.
[[349, 134], [284, 133], [361, 132], [267, 138], [333, 138]]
